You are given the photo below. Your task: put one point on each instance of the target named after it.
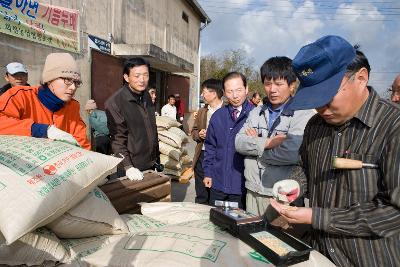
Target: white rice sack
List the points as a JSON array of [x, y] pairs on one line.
[[170, 163], [41, 179], [166, 122], [35, 248], [137, 223], [176, 246], [176, 212], [93, 216], [170, 151], [170, 139], [80, 248], [180, 133], [161, 129]]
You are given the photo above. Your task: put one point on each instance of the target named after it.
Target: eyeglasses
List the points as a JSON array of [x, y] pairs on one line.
[[69, 81]]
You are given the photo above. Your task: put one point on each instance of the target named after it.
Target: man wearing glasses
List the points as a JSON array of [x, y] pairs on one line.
[[49, 110], [395, 97]]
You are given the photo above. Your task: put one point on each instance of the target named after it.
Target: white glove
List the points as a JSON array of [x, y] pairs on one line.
[[134, 174], [56, 134], [286, 190]]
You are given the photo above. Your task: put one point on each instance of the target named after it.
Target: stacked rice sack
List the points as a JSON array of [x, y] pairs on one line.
[[48, 195], [171, 142], [181, 234]]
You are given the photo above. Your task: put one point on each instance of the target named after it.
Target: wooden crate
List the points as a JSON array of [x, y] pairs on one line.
[[125, 194]]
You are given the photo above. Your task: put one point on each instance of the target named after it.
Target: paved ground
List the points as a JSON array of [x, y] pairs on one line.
[[184, 192]]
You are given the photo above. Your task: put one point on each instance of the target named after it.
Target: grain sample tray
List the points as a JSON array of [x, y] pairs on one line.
[[275, 245]]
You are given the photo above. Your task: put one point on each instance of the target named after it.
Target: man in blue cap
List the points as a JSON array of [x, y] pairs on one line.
[[354, 211]]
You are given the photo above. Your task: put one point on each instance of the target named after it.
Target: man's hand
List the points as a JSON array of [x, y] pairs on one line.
[[202, 133], [134, 174], [56, 134], [293, 214], [207, 182], [286, 190], [251, 132], [275, 141]]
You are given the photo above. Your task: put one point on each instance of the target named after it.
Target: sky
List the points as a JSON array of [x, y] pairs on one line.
[[266, 28]]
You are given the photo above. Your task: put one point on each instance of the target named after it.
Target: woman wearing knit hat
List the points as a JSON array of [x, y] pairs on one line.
[[98, 122], [49, 110]]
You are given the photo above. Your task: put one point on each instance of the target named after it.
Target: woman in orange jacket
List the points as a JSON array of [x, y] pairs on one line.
[[47, 111]]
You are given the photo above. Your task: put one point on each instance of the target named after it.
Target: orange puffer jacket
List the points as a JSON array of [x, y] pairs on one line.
[[20, 107]]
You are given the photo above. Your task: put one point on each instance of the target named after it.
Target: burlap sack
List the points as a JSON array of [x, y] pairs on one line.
[[186, 160], [170, 138], [93, 216], [176, 246], [176, 173], [35, 248], [137, 223], [170, 151], [170, 163], [166, 122], [41, 179], [176, 212], [180, 133]]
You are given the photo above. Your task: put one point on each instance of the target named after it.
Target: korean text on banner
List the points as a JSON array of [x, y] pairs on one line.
[[41, 23]]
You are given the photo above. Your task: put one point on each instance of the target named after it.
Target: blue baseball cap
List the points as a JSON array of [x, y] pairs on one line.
[[320, 67]]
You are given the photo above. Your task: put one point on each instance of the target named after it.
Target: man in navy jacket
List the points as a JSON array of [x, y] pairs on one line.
[[223, 166]]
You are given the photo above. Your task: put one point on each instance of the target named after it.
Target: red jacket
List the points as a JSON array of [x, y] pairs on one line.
[[20, 107], [180, 108]]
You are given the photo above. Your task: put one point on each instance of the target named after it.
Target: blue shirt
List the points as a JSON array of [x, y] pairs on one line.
[[274, 113]]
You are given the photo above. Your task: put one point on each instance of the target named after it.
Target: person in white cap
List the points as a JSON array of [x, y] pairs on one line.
[[98, 122], [16, 75], [49, 110]]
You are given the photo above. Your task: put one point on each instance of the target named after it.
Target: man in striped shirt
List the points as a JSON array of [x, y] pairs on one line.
[[355, 212]]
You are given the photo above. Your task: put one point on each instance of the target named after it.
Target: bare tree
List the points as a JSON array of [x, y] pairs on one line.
[[217, 66]]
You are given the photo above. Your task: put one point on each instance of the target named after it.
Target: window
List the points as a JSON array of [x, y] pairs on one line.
[[185, 17]]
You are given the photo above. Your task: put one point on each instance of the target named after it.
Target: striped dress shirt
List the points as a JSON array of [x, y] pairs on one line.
[[355, 213]]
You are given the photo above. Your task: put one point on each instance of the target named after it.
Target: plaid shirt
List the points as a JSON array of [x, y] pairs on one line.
[[356, 213]]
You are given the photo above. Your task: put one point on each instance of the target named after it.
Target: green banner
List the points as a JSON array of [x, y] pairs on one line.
[[41, 23]]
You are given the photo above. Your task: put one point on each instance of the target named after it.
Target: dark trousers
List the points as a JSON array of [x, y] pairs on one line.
[[219, 195], [102, 144], [202, 192]]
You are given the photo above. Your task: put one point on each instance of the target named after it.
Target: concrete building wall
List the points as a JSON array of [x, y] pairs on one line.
[[155, 22]]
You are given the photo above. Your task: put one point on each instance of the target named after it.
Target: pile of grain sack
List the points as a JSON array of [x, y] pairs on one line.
[[48, 197], [52, 213], [171, 142]]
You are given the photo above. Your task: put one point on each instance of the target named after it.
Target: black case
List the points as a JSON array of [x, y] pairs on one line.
[[222, 218], [244, 227]]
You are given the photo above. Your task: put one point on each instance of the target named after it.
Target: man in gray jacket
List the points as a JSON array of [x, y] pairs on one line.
[[271, 136]]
